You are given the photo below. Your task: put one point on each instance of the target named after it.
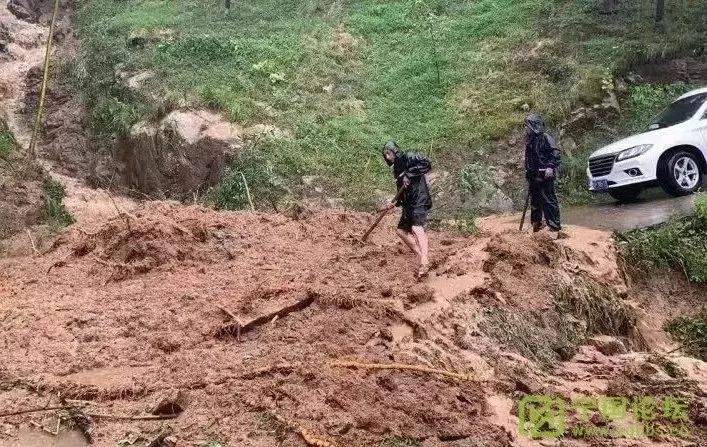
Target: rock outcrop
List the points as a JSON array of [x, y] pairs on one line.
[[184, 154]]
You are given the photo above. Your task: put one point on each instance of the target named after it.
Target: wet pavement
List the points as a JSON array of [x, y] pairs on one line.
[[653, 208]]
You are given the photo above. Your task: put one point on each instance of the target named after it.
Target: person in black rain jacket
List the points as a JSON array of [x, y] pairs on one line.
[[409, 170], [542, 159]]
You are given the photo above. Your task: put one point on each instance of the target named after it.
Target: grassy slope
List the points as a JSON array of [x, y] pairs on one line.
[[271, 61]]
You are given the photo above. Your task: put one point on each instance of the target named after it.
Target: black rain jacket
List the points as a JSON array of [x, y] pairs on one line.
[[541, 151], [413, 166]]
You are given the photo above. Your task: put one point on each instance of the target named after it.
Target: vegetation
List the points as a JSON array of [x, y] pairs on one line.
[[56, 214], [691, 332], [595, 304], [255, 171], [443, 77], [7, 141], [681, 244], [544, 339], [268, 425]]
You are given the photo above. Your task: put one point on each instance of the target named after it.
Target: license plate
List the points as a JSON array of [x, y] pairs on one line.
[[600, 185]]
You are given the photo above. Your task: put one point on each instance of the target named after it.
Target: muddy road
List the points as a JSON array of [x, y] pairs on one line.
[[654, 207]]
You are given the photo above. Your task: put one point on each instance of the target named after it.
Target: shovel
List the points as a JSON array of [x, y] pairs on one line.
[[380, 216]]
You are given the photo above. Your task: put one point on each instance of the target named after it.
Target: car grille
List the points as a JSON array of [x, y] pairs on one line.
[[599, 166]]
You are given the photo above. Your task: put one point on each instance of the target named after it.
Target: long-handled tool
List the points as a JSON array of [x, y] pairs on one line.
[[525, 209], [381, 215]]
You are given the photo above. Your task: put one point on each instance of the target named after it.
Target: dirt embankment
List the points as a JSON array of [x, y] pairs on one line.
[[125, 311]]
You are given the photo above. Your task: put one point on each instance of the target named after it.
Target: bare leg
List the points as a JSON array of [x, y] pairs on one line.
[[409, 240], [423, 245]]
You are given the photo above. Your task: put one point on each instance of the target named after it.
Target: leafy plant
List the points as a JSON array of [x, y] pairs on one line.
[[691, 332], [7, 141], [56, 213], [251, 175], [644, 101], [680, 243]]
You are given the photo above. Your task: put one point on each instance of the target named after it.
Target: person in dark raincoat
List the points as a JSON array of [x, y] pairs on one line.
[[542, 159], [409, 170]]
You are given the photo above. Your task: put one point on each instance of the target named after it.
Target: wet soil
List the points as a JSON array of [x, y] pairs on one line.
[[126, 310]]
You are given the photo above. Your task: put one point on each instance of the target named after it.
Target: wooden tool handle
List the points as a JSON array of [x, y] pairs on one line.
[[381, 215]]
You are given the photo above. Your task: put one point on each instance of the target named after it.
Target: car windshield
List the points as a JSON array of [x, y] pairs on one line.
[[678, 112]]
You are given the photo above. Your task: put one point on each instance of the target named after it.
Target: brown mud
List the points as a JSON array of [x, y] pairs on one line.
[[121, 312]]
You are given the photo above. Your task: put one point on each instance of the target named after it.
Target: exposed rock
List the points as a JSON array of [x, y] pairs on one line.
[[647, 370], [568, 145], [488, 199], [137, 80], [23, 9], [187, 152], [607, 345], [4, 39], [258, 131], [386, 334], [172, 402], [143, 37]]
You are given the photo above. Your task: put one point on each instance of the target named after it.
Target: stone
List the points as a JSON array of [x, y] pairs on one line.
[[489, 198], [172, 402], [568, 145], [386, 334], [24, 10], [186, 152], [607, 345], [4, 38]]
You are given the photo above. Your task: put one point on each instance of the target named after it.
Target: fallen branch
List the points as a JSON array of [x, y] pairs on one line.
[[159, 439], [60, 263], [155, 417], [31, 241], [283, 369], [35, 410], [236, 328], [228, 312], [304, 434], [247, 192], [404, 367]]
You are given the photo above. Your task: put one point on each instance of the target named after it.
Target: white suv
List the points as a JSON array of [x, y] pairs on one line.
[[671, 153]]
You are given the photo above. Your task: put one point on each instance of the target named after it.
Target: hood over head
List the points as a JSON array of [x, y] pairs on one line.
[[535, 123], [392, 146]]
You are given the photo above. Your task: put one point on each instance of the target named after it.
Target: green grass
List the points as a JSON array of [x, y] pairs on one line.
[[691, 333], [7, 141], [440, 76], [680, 244], [56, 214]]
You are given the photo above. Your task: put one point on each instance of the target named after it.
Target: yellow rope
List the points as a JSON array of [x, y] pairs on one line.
[[404, 367], [45, 78]]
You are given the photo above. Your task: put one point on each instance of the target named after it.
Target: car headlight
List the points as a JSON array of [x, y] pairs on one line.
[[633, 152]]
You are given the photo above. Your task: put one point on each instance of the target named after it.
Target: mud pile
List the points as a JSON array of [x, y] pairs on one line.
[[125, 312]]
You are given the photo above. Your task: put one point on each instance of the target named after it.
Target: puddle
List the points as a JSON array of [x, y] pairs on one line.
[[654, 208], [35, 438]]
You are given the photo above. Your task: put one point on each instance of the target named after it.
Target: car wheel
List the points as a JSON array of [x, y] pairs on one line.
[[627, 194], [681, 174]]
